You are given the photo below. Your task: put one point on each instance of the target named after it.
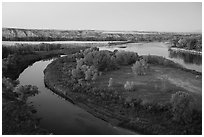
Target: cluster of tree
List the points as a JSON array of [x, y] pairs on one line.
[[140, 67], [28, 48], [84, 72], [91, 60], [86, 51], [16, 114], [9, 63], [14, 64], [190, 42], [101, 60], [126, 57]]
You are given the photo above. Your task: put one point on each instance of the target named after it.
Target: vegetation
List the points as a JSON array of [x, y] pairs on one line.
[[14, 62], [11, 34], [126, 57], [23, 49], [140, 67], [182, 107], [114, 104], [129, 85], [110, 82], [188, 42], [17, 115], [158, 60]]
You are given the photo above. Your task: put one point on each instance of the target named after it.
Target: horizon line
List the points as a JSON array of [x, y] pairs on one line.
[[200, 31]]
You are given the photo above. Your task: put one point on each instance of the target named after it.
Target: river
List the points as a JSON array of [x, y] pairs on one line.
[[57, 114]]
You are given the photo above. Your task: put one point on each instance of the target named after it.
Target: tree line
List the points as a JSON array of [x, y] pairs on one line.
[[188, 42]]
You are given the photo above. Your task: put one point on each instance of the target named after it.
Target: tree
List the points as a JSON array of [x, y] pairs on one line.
[[129, 85], [182, 43], [174, 41], [191, 43], [26, 91], [140, 67]]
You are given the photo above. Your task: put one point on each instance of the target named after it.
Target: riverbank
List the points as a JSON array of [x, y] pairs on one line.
[[185, 50], [113, 108]]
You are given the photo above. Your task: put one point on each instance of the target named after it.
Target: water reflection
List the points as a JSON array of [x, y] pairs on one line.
[[186, 57]]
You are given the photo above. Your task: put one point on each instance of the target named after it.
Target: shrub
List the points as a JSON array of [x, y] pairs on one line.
[[129, 85], [126, 57], [110, 82], [182, 107], [140, 67], [158, 60]]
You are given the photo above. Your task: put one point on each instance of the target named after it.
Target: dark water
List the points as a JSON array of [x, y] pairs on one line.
[[187, 60], [58, 115]]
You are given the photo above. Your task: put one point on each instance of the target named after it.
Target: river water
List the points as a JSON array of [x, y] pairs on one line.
[[58, 115]]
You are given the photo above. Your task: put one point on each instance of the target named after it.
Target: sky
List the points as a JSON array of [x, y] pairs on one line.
[[119, 16]]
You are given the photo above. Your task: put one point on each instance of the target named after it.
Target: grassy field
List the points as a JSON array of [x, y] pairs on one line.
[[157, 86]]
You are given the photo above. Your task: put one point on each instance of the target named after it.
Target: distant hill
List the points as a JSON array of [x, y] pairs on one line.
[[15, 34], [47, 35]]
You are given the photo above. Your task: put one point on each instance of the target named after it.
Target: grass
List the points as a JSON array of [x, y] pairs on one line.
[[151, 87]]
